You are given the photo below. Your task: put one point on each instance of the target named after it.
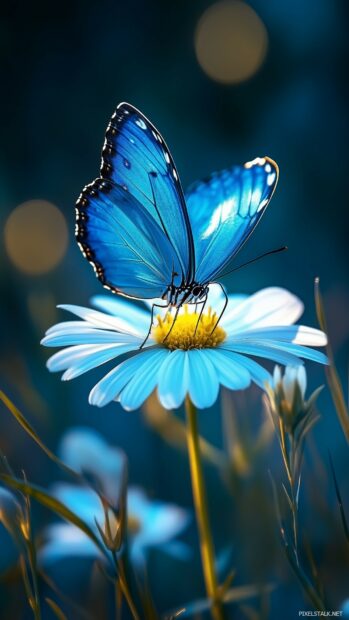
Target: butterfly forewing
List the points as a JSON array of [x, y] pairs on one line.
[[132, 223], [136, 157]]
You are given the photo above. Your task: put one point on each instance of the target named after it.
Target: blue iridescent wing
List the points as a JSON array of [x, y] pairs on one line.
[[123, 242], [224, 210], [136, 157]]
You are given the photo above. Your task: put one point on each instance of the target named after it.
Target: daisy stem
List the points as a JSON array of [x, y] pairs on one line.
[[201, 511]]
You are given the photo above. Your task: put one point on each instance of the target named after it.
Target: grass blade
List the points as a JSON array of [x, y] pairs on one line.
[[331, 371], [32, 433], [233, 595], [51, 503], [56, 610], [339, 500]]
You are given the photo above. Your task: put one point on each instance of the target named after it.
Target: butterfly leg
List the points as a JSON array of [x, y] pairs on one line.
[[173, 322], [224, 306], [151, 322], [204, 302]]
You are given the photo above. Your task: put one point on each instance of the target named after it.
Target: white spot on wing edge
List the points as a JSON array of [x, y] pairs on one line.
[[271, 178], [258, 161], [262, 204], [140, 122]]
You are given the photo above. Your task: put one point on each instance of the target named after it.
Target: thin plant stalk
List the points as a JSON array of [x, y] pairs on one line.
[[333, 379], [293, 471], [31, 553], [201, 511], [121, 581]]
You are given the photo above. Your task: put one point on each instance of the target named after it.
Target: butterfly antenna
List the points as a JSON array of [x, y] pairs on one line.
[[253, 260]]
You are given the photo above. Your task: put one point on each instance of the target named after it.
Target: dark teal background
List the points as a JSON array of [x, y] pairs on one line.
[[64, 69]]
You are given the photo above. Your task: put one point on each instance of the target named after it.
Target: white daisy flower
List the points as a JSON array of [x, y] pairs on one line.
[[186, 356]]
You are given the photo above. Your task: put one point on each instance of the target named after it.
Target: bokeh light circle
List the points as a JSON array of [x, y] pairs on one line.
[[231, 41], [36, 237]]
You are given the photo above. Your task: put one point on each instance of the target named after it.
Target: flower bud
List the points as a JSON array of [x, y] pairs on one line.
[[287, 396]]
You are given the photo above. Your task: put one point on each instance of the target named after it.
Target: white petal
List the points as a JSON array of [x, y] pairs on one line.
[[143, 382], [155, 301], [72, 355], [215, 295], [276, 376], [262, 350], [288, 382], [123, 309], [291, 376], [160, 522], [203, 380], [64, 541], [230, 373], [270, 306], [302, 379], [173, 379], [96, 359], [233, 302], [101, 320], [111, 385], [83, 501], [87, 335], [298, 334], [310, 336], [67, 326], [296, 349], [259, 375], [85, 450]]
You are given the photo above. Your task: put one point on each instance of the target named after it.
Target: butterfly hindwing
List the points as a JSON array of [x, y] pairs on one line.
[[224, 211]]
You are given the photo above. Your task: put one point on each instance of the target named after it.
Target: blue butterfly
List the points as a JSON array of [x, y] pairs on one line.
[[143, 236]]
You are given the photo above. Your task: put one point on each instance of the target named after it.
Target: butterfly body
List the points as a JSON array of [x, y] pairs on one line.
[[186, 293], [144, 238]]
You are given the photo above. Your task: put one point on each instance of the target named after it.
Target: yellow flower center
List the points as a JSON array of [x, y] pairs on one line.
[[189, 330]]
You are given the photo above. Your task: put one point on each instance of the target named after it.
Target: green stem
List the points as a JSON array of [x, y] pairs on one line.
[[293, 483], [120, 578], [33, 569], [288, 450], [201, 511]]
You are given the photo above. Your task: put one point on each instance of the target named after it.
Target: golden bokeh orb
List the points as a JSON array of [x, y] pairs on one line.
[[36, 237], [231, 41]]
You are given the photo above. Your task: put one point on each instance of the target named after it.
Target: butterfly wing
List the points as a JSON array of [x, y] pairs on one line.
[[136, 157], [122, 241], [132, 223], [224, 210]]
